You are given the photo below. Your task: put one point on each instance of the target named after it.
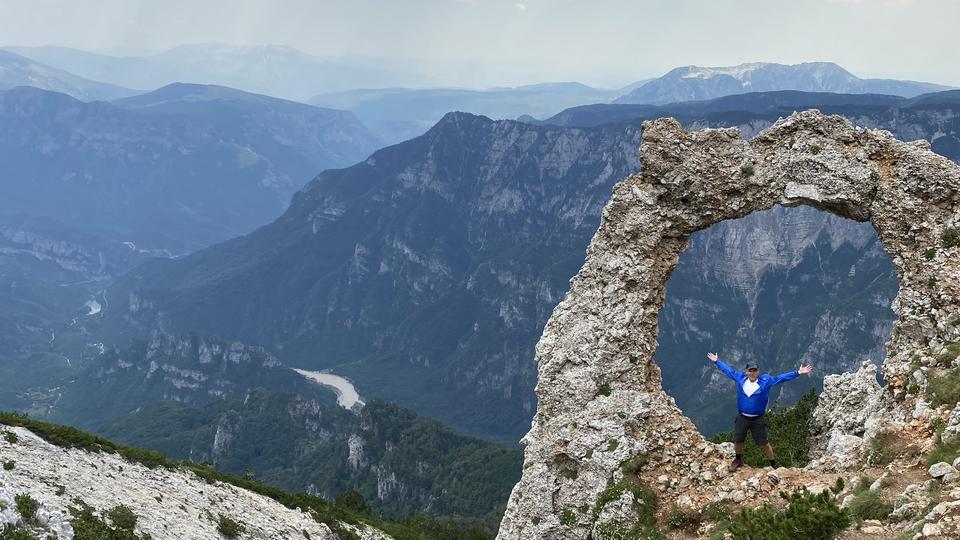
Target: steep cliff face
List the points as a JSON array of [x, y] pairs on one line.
[[601, 404], [192, 369], [421, 273]]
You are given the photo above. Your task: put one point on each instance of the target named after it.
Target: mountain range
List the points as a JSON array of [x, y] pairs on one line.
[[17, 70], [426, 272], [274, 70], [397, 114], [173, 170], [695, 83]]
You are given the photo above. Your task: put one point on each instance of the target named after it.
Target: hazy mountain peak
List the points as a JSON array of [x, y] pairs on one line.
[[18, 70], [694, 83]]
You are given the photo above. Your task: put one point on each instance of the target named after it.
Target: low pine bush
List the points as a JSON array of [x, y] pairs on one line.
[[14, 532], [122, 517], [807, 516], [867, 504], [229, 528], [27, 506]]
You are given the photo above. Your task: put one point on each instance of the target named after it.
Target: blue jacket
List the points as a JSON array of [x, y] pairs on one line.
[[757, 403]]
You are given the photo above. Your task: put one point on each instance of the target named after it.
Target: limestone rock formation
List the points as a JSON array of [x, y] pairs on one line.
[[175, 505], [602, 413]]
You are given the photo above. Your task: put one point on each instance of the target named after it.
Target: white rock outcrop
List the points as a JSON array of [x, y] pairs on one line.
[[169, 504], [601, 408]]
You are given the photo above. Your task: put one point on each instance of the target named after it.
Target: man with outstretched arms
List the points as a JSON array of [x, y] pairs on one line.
[[753, 392]]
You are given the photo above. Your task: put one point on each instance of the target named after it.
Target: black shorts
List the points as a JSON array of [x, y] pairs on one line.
[[756, 425]]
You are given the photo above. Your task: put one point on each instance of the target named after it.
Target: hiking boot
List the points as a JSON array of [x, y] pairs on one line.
[[736, 464]]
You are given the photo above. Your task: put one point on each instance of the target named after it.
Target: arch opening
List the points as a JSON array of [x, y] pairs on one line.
[[777, 287]]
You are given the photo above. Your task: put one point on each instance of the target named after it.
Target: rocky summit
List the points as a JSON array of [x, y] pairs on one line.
[[602, 415]]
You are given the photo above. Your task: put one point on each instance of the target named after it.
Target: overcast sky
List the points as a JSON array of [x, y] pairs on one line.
[[505, 42]]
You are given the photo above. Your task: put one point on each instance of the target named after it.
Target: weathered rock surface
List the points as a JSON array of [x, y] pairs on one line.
[[600, 401], [174, 505]]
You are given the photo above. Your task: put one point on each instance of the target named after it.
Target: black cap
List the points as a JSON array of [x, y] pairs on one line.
[[752, 365]]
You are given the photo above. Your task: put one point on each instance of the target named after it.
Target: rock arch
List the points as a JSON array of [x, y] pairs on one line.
[[600, 401]]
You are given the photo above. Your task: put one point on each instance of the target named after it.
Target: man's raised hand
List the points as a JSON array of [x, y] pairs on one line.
[[712, 356], [805, 369]]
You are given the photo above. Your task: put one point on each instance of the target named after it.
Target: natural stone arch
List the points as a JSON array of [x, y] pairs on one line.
[[600, 401]]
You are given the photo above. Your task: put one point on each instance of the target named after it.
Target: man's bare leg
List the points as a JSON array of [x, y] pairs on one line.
[[767, 451]]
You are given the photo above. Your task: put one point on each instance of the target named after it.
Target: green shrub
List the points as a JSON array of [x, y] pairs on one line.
[[612, 445], [13, 532], [122, 517], [9, 465], [814, 149], [679, 519], [605, 389], [568, 518], [944, 389], [867, 504], [929, 254], [354, 500], [10, 437], [747, 171], [789, 429], [228, 527], [950, 353], [807, 516], [945, 451], [885, 447], [87, 526], [951, 238], [27, 506], [645, 502]]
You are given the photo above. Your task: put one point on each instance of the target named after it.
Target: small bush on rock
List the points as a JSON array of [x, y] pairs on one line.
[[122, 517], [10, 437], [951, 238], [13, 532], [88, 526], [945, 451], [885, 447], [807, 516], [229, 528], [9, 465], [27, 506], [944, 389], [867, 504]]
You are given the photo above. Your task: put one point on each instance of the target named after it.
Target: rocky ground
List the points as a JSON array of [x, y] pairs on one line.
[[175, 505]]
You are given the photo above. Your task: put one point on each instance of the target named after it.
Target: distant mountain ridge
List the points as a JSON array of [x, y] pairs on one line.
[[17, 70], [403, 113], [174, 169], [275, 70], [694, 83]]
